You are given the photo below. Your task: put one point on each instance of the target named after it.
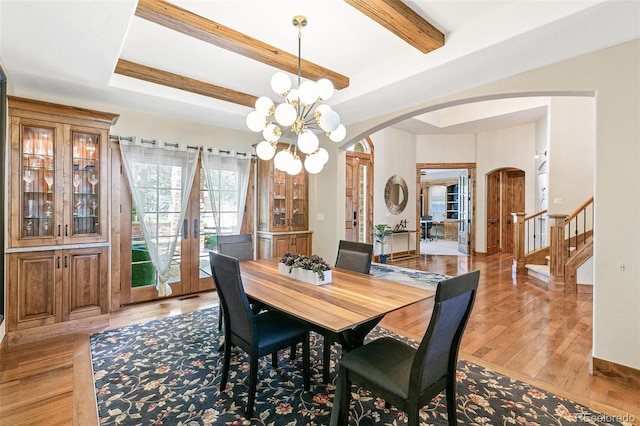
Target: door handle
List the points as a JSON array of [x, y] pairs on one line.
[[185, 229], [196, 229]]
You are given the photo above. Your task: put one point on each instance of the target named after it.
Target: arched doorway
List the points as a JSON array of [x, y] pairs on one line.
[[359, 191], [505, 195]]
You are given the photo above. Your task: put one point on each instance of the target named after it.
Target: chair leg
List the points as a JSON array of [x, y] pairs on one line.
[[292, 353], [306, 367], [452, 408], [220, 313], [225, 366], [413, 417], [253, 379], [340, 410], [274, 359]]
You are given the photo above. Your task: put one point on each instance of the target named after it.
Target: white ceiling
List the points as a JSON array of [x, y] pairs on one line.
[[69, 49]]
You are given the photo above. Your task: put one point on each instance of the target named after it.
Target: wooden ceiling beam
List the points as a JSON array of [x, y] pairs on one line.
[[165, 78], [398, 18], [188, 23]]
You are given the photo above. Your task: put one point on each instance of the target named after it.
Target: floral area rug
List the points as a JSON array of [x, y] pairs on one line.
[[167, 372], [422, 279]]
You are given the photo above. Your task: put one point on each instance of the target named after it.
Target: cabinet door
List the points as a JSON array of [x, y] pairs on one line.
[[299, 218], [302, 244], [34, 289], [281, 244], [85, 190], [35, 198], [85, 283]]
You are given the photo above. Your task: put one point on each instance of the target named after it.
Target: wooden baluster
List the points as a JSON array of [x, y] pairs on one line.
[[518, 241], [557, 251]]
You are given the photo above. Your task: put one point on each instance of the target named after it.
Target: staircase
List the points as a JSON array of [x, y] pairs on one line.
[[570, 244]]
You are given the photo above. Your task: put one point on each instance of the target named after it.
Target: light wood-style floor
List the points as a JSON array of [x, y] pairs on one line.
[[517, 328]]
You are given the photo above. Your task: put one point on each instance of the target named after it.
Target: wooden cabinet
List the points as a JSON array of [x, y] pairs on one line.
[[283, 215], [59, 163], [55, 286], [58, 234], [272, 245]]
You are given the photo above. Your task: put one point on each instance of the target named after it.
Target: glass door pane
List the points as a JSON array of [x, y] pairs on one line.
[[85, 179], [38, 176], [208, 237]]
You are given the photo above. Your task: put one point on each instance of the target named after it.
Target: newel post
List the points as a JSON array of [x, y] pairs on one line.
[[557, 252], [518, 242]]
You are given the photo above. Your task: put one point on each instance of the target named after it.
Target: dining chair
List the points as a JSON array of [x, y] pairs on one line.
[[354, 256], [238, 246], [256, 334], [404, 376]]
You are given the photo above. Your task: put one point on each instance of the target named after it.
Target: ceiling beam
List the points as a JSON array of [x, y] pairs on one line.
[[165, 78], [398, 18], [188, 23]]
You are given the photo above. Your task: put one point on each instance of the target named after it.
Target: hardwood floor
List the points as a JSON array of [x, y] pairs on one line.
[[517, 328]]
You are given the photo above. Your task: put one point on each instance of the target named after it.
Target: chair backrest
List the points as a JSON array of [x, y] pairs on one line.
[[354, 256], [438, 351], [238, 318], [238, 246]]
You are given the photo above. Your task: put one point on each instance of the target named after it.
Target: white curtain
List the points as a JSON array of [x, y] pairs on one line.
[[227, 175], [160, 176]]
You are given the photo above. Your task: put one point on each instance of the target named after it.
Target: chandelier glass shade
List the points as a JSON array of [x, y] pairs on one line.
[[299, 117]]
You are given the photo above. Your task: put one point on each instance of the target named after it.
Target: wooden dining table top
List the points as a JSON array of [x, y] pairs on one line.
[[351, 299]]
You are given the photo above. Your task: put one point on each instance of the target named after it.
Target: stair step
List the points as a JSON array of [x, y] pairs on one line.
[[540, 272]]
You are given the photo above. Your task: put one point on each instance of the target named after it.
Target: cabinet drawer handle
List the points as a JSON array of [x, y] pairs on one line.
[[185, 229], [65, 261], [58, 262], [59, 228], [66, 230]]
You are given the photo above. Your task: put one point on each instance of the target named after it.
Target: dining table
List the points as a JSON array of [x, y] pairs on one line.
[[349, 306]]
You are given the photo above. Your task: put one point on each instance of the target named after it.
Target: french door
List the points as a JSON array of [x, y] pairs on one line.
[[189, 270]]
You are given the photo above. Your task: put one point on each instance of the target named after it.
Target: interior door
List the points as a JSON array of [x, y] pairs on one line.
[[464, 212], [513, 190], [493, 212], [351, 199], [359, 197]]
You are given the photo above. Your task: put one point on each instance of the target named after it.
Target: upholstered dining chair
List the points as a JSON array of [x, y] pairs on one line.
[[238, 246], [256, 334], [406, 377], [354, 256]]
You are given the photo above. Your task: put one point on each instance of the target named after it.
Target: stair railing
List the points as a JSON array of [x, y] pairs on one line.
[[530, 235], [566, 232], [581, 221]]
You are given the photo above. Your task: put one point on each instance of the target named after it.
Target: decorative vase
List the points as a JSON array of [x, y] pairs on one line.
[[383, 258], [304, 275]]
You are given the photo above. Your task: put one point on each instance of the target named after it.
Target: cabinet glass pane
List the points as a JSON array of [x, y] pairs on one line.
[[85, 181], [299, 192], [279, 198], [38, 175]]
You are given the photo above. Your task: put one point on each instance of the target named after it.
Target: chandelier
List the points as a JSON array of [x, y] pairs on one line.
[[298, 118]]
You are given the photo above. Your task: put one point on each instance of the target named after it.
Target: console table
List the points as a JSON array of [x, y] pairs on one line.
[[409, 253]]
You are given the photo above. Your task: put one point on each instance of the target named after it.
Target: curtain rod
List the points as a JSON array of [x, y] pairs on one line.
[[153, 142]]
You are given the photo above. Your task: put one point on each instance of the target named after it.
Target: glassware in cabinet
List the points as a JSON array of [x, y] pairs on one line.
[[38, 173], [86, 190]]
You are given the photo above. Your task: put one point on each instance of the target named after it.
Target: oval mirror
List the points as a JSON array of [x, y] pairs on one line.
[[396, 194]]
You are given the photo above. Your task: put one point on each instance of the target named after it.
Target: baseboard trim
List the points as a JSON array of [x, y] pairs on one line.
[[617, 372]]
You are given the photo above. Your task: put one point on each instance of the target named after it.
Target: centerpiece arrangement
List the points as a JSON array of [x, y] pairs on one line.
[[313, 269]]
